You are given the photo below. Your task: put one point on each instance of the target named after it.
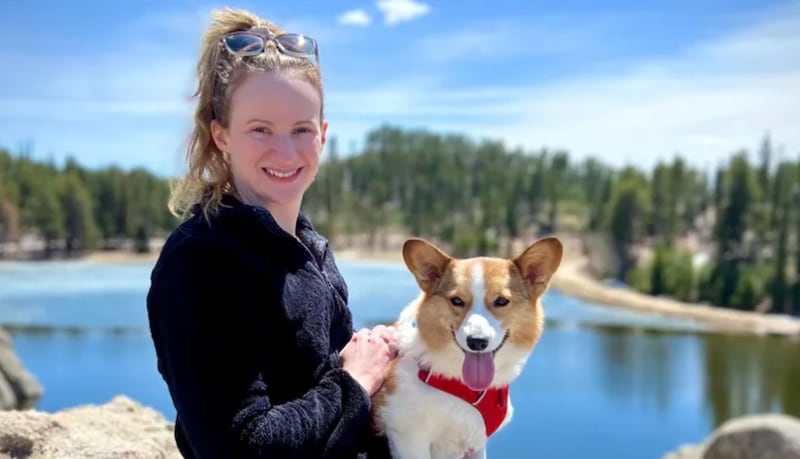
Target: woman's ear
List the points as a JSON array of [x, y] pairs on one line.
[[324, 131], [220, 135]]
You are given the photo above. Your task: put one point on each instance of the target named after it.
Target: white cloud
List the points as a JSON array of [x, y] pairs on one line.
[[508, 38], [357, 17], [705, 102], [396, 11]]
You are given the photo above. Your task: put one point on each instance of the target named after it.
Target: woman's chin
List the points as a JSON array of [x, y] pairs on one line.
[[282, 194]]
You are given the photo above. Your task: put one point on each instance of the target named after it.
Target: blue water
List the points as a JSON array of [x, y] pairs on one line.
[[603, 383]]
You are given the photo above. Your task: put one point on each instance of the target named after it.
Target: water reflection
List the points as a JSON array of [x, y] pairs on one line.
[[747, 374], [734, 374], [645, 366], [635, 364]]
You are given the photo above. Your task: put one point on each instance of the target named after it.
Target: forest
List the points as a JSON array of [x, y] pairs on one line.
[[477, 196]]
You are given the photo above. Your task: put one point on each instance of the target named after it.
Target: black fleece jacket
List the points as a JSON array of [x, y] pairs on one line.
[[247, 323]]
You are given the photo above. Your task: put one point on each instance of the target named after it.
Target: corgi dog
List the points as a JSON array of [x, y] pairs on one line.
[[461, 343]]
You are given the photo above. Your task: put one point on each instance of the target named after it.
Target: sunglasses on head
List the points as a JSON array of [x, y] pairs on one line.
[[252, 43]]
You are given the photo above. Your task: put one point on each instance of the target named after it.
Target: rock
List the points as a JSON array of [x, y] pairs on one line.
[[686, 452], [769, 436], [18, 388], [762, 436], [121, 428]]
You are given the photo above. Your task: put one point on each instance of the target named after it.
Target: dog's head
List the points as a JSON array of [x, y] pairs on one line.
[[483, 309]]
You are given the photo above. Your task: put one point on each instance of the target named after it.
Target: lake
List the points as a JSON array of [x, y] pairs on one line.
[[603, 383]]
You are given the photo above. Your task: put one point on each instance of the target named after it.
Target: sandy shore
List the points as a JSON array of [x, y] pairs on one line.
[[574, 280], [120, 257], [131, 257]]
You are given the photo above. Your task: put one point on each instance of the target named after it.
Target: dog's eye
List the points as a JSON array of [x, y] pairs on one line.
[[457, 301], [500, 302]]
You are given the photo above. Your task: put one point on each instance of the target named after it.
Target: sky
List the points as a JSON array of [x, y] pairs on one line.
[[626, 81]]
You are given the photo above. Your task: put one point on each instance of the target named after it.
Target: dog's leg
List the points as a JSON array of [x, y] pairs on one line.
[[479, 453], [409, 447]]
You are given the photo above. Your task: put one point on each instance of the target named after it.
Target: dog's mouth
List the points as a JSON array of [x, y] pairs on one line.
[[477, 371]]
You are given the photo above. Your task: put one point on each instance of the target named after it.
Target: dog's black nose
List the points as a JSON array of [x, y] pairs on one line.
[[477, 344]]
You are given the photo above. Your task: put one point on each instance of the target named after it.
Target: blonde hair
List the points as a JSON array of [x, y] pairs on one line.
[[219, 73]]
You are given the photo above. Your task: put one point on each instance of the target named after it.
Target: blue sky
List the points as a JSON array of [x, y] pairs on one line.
[[626, 81]]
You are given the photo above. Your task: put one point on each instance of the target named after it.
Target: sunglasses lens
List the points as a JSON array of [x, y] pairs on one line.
[[244, 43], [297, 43]]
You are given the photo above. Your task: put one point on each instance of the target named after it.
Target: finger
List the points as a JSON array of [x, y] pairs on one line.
[[389, 334], [361, 335], [380, 330], [364, 333], [385, 337], [391, 339], [389, 343]]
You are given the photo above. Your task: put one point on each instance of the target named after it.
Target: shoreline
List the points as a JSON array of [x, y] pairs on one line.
[[573, 280]]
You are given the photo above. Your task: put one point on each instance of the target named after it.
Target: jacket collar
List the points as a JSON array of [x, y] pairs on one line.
[[232, 207]]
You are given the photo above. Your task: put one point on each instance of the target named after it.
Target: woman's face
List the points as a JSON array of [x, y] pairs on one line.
[[274, 138]]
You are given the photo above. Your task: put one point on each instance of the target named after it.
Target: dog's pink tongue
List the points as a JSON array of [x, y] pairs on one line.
[[478, 370]]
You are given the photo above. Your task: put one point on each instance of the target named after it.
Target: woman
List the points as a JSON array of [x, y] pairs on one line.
[[248, 311]]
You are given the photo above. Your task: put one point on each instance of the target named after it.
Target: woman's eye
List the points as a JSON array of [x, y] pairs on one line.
[[457, 301], [262, 130], [303, 130]]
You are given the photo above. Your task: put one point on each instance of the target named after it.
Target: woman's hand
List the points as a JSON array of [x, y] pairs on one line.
[[388, 334], [366, 357]]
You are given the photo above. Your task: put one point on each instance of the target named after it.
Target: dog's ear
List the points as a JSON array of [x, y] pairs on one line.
[[539, 262], [426, 262]]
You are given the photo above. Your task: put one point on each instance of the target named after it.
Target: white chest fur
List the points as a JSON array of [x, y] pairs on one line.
[[423, 422]]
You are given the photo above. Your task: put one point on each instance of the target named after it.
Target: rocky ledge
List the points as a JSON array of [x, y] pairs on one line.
[[18, 388], [763, 436], [121, 428]]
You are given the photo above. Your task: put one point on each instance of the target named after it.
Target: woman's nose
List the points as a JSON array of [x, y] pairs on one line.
[[283, 147]]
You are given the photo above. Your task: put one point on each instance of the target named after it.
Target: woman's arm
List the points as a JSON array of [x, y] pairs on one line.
[[198, 307]]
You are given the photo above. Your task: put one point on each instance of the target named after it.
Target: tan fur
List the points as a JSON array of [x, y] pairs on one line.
[[522, 280], [524, 312], [380, 397], [418, 418]]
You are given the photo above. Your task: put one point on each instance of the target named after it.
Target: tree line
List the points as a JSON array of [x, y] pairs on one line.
[[72, 209], [479, 196]]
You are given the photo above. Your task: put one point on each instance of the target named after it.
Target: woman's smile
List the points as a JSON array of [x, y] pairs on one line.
[[282, 175]]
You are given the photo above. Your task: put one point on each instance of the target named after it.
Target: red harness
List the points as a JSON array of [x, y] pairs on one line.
[[491, 403]]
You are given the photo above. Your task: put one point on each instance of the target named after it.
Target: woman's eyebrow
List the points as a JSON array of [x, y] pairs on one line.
[[269, 123], [258, 120]]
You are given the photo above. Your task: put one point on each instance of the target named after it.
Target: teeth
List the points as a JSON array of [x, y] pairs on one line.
[[281, 174]]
